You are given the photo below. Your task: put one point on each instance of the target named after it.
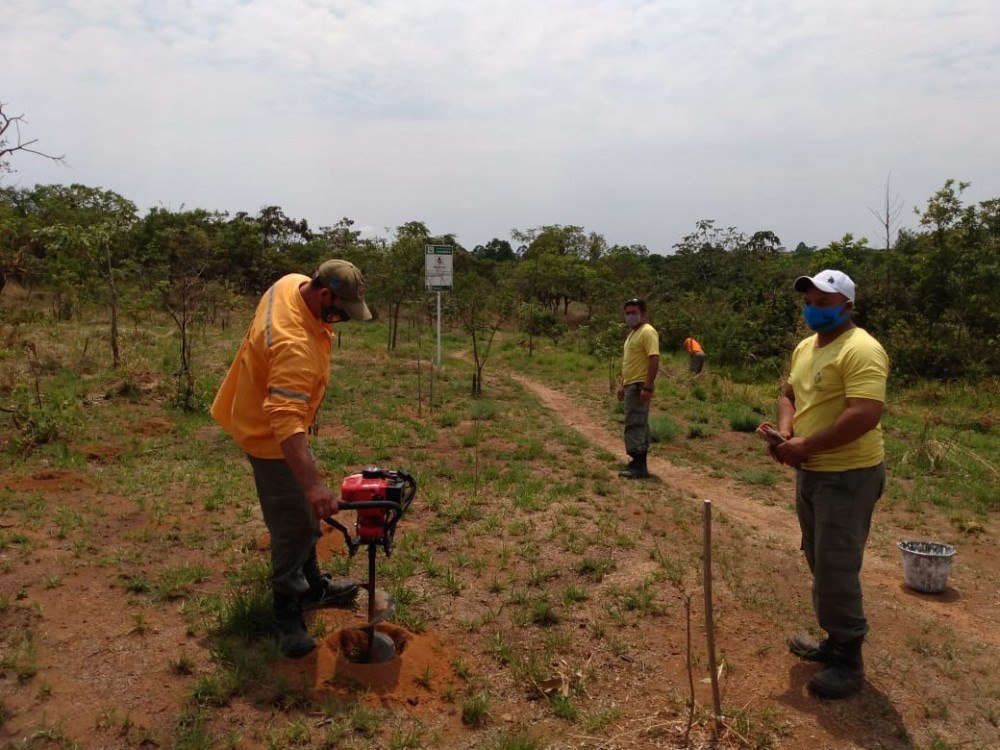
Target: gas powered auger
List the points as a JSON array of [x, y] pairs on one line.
[[380, 497]]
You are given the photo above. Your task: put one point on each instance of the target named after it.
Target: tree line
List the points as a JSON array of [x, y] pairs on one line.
[[930, 296]]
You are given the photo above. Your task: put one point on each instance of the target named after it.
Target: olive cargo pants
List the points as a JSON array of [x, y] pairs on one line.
[[835, 514], [293, 527], [636, 420]]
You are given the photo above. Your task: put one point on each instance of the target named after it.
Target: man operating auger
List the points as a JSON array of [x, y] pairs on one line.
[[267, 402]]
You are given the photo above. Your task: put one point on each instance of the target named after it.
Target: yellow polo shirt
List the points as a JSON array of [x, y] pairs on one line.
[[641, 344], [276, 383], [854, 365]]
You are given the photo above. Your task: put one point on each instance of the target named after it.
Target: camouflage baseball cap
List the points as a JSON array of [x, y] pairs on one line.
[[345, 280]]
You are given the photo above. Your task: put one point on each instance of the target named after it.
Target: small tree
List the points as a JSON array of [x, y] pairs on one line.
[[79, 254], [536, 320], [888, 218], [181, 292], [481, 308], [394, 277], [86, 250]]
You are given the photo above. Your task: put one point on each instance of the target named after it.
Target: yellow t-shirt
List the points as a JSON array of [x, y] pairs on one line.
[[277, 381], [854, 365], [641, 344]]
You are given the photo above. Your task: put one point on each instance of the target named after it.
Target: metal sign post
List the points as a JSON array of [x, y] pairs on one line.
[[438, 273]]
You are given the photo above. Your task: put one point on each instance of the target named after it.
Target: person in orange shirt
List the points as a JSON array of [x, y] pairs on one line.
[[696, 353], [267, 402]]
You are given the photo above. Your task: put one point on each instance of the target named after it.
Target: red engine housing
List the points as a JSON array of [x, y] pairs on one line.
[[371, 522]]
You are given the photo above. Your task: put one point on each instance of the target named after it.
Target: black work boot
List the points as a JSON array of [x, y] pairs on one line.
[[324, 590], [637, 469], [844, 674], [810, 649], [627, 471], [290, 627]]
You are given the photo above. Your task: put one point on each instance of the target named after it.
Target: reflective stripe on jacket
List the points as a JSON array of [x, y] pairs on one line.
[[276, 383]]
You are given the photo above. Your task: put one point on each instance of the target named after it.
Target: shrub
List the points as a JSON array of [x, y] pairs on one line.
[[475, 709], [699, 432], [41, 423], [742, 419], [517, 739], [663, 429]]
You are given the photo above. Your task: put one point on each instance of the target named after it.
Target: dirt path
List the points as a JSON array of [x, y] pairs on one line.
[[967, 606], [698, 485]]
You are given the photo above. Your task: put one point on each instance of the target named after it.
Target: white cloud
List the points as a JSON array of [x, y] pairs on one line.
[[634, 119]]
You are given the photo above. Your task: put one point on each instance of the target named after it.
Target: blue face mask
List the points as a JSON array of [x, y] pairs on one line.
[[632, 320], [822, 319]]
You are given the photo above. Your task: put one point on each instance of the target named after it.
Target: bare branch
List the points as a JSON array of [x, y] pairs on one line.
[[889, 216], [8, 122]]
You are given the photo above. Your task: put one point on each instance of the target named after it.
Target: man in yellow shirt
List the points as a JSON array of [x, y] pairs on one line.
[[267, 402], [829, 413], [640, 363]]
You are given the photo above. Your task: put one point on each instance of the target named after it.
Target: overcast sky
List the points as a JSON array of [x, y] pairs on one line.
[[632, 119]]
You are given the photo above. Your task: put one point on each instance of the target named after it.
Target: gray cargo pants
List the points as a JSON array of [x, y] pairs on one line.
[[835, 514], [290, 520]]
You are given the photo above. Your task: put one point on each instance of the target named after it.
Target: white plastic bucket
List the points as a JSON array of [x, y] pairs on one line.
[[926, 565]]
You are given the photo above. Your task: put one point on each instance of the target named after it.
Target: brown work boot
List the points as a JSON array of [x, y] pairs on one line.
[[844, 674], [810, 649]]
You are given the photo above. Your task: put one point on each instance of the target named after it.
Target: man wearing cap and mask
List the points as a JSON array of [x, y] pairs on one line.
[[828, 413], [267, 402], [640, 364]]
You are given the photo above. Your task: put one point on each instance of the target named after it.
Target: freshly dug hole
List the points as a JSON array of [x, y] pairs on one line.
[[351, 647]]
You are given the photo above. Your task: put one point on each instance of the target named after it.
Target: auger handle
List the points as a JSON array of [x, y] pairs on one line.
[[395, 513]]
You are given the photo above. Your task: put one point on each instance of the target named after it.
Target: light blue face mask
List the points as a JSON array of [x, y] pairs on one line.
[[822, 319], [633, 320]]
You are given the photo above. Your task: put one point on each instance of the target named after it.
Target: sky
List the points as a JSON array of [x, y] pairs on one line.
[[632, 119]]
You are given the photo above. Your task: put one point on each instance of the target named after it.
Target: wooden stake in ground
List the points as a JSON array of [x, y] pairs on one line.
[[709, 622], [687, 729]]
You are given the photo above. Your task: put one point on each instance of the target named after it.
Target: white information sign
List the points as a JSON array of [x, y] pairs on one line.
[[438, 268]]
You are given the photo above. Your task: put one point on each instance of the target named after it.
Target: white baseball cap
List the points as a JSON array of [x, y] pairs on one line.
[[827, 281]]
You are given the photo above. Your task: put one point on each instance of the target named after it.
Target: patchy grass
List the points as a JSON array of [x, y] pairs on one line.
[[550, 583]]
